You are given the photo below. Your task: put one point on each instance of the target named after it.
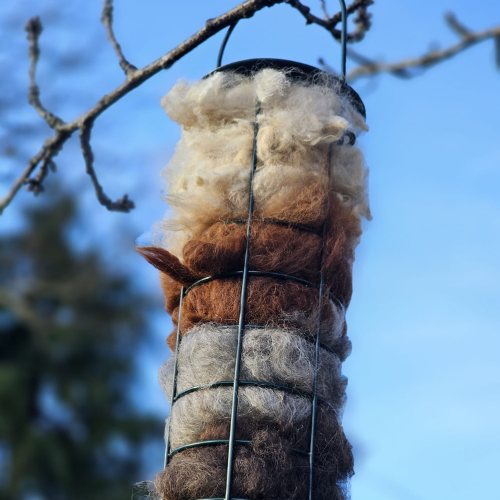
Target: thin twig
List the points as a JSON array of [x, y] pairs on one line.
[[324, 9], [326, 67], [365, 61], [362, 19], [34, 29], [121, 205], [107, 20], [36, 185], [403, 68], [455, 25], [50, 148], [497, 51]]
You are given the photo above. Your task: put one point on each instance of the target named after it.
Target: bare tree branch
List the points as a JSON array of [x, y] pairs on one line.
[[121, 205], [43, 160], [407, 68], [362, 19], [34, 29], [365, 61], [107, 20], [65, 130]]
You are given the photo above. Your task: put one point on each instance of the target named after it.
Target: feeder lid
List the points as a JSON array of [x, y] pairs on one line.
[[295, 70]]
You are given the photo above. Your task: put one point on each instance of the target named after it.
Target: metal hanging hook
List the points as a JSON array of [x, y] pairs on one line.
[[224, 43], [343, 41]]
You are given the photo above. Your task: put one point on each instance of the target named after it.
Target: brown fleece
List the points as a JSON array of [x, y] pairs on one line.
[[271, 302], [266, 468], [168, 264], [221, 249], [287, 250], [308, 207]]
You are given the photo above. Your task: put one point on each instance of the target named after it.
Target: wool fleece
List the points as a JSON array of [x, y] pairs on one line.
[[309, 195]]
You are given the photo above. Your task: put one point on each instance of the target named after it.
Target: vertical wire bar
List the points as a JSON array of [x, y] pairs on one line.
[[241, 322], [318, 348], [174, 381], [343, 40], [316, 369]]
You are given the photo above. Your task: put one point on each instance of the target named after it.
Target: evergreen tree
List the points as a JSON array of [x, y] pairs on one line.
[[68, 332]]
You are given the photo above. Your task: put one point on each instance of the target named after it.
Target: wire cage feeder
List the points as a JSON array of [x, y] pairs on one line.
[[296, 72]]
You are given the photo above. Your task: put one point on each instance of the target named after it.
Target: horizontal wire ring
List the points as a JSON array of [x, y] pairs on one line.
[[212, 442], [267, 274], [278, 222], [256, 383]]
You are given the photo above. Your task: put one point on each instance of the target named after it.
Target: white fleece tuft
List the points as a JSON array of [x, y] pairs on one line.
[[208, 177]]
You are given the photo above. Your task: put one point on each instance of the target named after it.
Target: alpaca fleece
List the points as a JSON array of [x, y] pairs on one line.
[[269, 355], [208, 177], [299, 199], [266, 468], [270, 302], [333, 334], [221, 248], [303, 177], [273, 248], [291, 413]]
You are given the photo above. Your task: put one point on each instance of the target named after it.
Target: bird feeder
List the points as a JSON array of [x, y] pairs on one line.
[[266, 192]]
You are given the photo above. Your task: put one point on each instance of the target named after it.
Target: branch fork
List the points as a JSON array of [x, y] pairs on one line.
[[134, 77]]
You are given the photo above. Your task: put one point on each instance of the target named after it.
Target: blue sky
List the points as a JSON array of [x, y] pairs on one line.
[[424, 376]]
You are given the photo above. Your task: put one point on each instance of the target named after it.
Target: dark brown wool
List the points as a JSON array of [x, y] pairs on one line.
[[266, 468]]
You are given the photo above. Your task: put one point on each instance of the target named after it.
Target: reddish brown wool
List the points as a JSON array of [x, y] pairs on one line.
[[272, 302], [221, 248], [275, 248]]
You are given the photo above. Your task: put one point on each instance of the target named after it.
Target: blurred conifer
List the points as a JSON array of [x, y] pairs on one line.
[[69, 328]]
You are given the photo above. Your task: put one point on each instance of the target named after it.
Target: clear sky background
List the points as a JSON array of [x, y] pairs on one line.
[[423, 411]]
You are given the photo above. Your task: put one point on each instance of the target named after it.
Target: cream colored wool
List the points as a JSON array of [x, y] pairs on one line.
[[192, 413], [275, 355], [208, 177]]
